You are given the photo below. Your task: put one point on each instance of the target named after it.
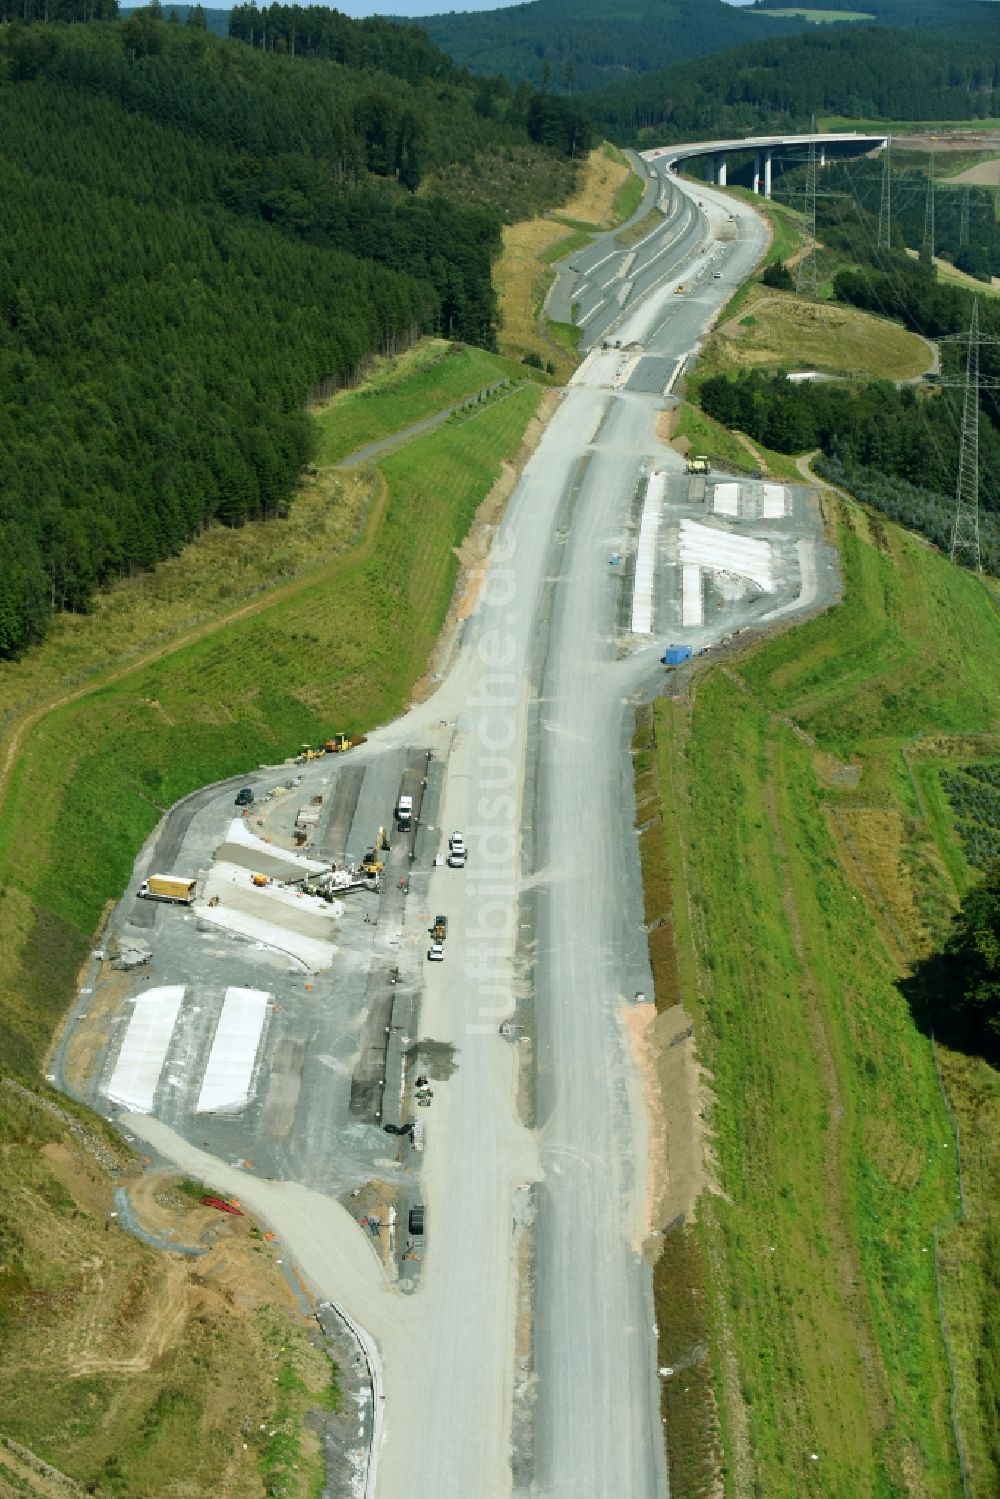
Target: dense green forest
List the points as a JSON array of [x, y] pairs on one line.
[[586, 44], [582, 44], [198, 236], [862, 72]]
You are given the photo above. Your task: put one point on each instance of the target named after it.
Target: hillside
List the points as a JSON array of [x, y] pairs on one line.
[[799, 862], [582, 44], [198, 237], [858, 71], [136, 1373], [574, 45]]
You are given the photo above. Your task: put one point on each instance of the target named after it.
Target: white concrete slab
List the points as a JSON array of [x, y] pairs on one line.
[[312, 953], [238, 832], [724, 551], [320, 914], [144, 1049], [808, 582], [692, 596], [645, 557], [225, 1088], [726, 499], [773, 501]]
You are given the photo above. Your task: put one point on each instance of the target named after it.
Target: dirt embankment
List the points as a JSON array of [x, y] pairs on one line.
[[473, 553], [106, 1341]]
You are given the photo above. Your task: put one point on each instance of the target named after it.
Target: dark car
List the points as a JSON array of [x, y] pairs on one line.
[[417, 1219], [244, 797]]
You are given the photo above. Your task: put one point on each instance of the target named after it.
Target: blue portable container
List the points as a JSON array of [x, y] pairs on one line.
[[675, 654]]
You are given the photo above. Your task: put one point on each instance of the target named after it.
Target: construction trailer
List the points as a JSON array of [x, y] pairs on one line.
[[176, 890]]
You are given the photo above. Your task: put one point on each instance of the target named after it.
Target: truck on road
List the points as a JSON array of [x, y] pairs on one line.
[[404, 813], [176, 889]]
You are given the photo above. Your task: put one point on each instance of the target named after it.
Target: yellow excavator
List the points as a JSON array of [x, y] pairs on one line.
[[373, 864], [338, 744]]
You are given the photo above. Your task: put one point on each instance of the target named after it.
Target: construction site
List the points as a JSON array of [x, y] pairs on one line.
[[271, 955]]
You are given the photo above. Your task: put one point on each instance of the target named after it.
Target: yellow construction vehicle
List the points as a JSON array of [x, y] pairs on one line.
[[373, 863], [338, 744], [698, 465], [307, 753]]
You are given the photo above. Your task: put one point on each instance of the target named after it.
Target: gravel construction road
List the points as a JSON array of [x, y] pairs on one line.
[[495, 1384]]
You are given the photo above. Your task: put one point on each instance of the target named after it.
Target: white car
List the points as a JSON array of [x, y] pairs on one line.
[[435, 953], [457, 851]]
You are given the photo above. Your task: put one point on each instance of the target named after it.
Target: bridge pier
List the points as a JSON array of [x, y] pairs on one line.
[[720, 173], [756, 171], [767, 172]]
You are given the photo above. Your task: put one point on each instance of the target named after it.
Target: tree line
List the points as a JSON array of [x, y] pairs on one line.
[[896, 449], [198, 235], [952, 73]]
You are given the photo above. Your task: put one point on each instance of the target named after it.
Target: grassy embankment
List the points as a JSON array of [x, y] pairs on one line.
[[802, 873], [400, 392], [768, 329], [689, 426], [608, 193], [777, 330], [235, 652]]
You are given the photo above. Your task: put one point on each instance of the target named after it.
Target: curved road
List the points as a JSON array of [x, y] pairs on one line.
[[534, 717]]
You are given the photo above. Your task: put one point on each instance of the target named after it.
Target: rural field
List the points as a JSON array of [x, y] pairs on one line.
[[793, 876]]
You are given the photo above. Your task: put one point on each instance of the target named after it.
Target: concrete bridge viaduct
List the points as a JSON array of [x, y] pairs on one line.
[[764, 148]]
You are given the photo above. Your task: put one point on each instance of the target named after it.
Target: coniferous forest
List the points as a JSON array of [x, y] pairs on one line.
[[199, 234]]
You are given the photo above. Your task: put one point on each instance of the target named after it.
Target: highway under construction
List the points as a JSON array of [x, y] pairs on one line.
[[454, 1151]]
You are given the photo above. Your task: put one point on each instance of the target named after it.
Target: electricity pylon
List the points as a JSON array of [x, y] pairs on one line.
[[885, 202], [928, 244], [965, 528]]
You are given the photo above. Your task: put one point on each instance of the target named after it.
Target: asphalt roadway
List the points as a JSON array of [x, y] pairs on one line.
[[531, 722]]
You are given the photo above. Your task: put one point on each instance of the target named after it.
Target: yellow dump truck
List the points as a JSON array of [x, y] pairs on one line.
[[176, 889], [699, 464]]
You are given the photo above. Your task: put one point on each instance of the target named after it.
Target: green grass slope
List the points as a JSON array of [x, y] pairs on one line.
[[805, 879], [341, 651]]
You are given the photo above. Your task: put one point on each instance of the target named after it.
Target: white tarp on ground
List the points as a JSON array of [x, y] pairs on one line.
[[645, 556], [773, 501], [144, 1049], [240, 833], [692, 601], [724, 551], [726, 499], [309, 951], [225, 1088]]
